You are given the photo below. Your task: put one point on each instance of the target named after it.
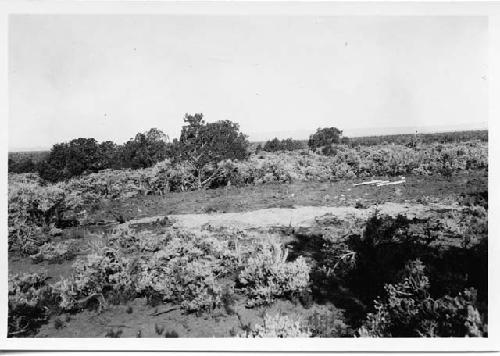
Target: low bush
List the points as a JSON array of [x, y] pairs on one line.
[[268, 275], [31, 208], [103, 274], [278, 326], [56, 252], [34, 210], [185, 271], [329, 323], [354, 266], [453, 245], [30, 300], [408, 310], [143, 241]]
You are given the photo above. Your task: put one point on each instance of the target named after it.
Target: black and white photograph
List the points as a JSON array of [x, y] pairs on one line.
[[247, 175]]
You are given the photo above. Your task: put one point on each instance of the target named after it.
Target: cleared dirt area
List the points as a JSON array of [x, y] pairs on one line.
[[264, 220], [417, 189]]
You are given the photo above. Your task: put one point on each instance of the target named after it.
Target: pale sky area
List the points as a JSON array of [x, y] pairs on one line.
[[111, 76]]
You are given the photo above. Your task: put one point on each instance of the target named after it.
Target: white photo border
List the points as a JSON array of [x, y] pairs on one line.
[[488, 9]]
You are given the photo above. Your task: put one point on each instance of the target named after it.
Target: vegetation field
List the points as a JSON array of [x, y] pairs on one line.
[[227, 241]]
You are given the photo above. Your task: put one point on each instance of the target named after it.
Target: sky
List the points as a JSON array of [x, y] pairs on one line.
[[112, 76]]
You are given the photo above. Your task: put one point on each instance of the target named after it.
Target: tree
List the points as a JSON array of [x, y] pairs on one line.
[[23, 165], [108, 155], [83, 156], [71, 159], [145, 149], [203, 144], [324, 137], [53, 169], [288, 144]]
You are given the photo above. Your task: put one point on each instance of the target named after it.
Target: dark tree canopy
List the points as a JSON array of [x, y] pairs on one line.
[[24, 165], [202, 143], [86, 155], [109, 157], [145, 149], [288, 144], [83, 155], [67, 160], [324, 137]]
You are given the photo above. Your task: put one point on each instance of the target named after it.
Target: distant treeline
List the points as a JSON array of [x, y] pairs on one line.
[[200, 144], [290, 144], [406, 139], [85, 155], [26, 162]]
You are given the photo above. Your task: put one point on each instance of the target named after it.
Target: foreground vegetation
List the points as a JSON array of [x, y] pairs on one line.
[[387, 276], [392, 276], [362, 275]]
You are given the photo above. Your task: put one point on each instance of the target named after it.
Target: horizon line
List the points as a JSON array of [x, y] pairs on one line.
[[273, 133]]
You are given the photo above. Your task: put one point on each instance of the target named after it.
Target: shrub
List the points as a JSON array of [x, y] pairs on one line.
[[36, 211], [56, 252], [329, 323], [452, 244], [409, 311], [143, 241], [105, 274], [31, 209], [30, 298], [279, 326], [268, 275], [353, 266], [185, 271]]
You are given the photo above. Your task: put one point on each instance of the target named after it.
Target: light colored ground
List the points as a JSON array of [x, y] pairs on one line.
[[300, 216]]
